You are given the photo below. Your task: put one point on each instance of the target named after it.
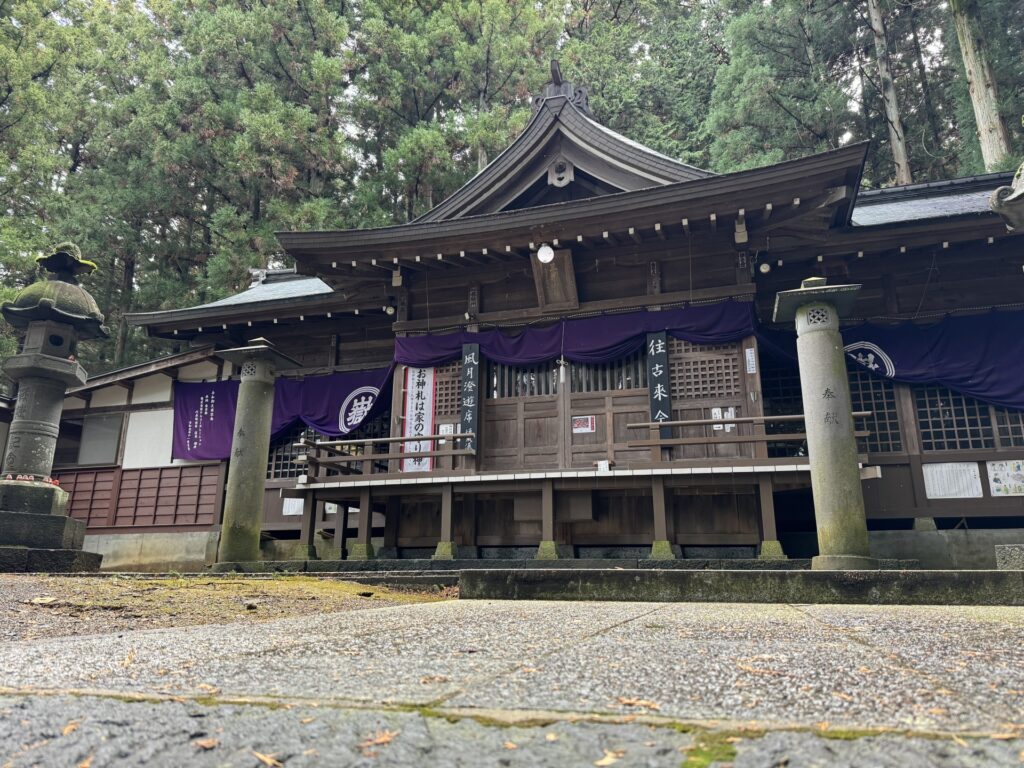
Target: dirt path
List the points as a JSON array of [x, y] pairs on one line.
[[33, 607]]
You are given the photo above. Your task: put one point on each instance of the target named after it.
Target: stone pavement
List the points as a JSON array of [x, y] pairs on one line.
[[478, 683]]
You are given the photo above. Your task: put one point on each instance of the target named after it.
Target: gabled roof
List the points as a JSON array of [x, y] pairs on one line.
[[167, 365], [967, 196], [560, 129]]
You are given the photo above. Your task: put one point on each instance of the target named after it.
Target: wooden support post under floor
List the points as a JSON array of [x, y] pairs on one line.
[[661, 548], [362, 547], [547, 550], [310, 513], [771, 547], [446, 544]]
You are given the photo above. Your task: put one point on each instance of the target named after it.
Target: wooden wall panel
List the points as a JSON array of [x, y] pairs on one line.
[[187, 496]]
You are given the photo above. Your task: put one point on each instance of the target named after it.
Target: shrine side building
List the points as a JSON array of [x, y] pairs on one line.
[[572, 356]]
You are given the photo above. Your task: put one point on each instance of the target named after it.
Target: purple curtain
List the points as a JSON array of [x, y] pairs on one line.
[[981, 356], [333, 405], [586, 340]]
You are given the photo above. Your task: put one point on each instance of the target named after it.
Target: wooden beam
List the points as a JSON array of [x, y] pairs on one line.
[[659, 231]]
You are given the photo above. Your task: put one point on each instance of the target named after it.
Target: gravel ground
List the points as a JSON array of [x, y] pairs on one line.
[[54, 606], [533, 683]]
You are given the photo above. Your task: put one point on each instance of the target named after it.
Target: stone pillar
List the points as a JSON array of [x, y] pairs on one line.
[[446, 543], [547, 550], [771, 547], [835, 471], [250, 446], [362, 547], [661, 548]]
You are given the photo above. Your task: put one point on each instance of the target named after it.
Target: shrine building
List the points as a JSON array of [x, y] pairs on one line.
[[573, 356]]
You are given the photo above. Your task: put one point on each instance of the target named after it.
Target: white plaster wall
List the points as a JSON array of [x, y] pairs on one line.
[[147, 442], [198, 372], [73, 403], [109, 396], [152, 389]]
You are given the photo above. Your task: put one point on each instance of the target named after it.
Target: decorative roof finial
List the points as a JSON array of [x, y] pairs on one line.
[[559, 86]]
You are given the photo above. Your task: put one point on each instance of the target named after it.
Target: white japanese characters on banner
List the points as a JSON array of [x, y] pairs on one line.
[[419, 417]]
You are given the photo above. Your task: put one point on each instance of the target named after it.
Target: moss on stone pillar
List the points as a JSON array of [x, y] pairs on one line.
[[662, 550], [771, 550], [445, 551], [357, 551], [547, 550]]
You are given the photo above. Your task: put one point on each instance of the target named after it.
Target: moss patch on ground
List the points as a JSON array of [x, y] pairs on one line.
[[47, 606]]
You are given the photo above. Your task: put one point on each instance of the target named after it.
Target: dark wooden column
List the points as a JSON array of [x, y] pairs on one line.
[[310, 512], [446, 544], [362, 547], [547, 550], [771, 547], [661, 548]]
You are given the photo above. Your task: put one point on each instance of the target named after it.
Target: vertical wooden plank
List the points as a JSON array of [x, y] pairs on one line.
[[309, 516], [547, 511], [115, 492], [447, 514], [766, 503], [364, 533], [660, 508]]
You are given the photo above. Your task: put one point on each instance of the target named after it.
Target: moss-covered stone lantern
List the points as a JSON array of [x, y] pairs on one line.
[[35, 532]]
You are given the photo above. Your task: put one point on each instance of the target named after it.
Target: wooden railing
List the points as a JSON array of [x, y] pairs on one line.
[[656, 442], [326, 458]]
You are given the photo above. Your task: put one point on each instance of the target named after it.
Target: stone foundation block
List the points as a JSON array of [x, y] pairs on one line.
[[43, 531], [547, 550], [445, 551], [1010, 557], [360, 551], [843, 563], [31, 560], [35, 498], [771, 550], [662, 550]]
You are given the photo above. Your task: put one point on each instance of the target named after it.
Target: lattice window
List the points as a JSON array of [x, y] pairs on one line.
[[1010, 424], [281, 462], [878, 395], [447, 380], [949, 421], [625, 373], [817, 316], [521, 380], [780, 389], [709, 372]]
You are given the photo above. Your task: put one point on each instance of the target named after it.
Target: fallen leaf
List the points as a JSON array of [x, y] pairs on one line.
[[128, 658], [267, 760], [734, 739], [551, 737], [70, 728], [511, 745], [959, 741], [208, 688], [206, 743], [426, 680], [1003, 736], [44, 600], [937, 711], [843, 696], [380, 738], [87, 763], [642, 703], [823, 725], [307, 720], [610, 757], [310, 752]]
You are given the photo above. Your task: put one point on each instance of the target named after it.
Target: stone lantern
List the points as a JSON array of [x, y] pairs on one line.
[[35, 532]]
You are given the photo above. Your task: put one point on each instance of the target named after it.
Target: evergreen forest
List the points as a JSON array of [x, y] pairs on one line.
[[171, 138]]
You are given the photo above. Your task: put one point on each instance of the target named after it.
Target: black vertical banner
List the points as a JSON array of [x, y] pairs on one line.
[[470, 395], [658, 387]]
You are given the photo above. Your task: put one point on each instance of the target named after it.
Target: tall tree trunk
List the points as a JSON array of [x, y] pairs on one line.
[[897, 136], [926, 90], [981, 82], [127, 286]]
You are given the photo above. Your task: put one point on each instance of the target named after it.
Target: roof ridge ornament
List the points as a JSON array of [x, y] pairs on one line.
[[1008, 202], [578, 96]]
